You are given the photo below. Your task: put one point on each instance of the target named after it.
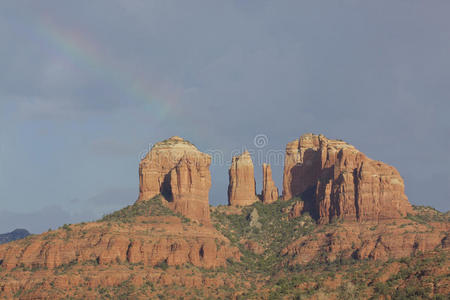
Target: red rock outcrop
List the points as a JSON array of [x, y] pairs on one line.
[[270, 191], [342, 182], [296, 210], [371, 240], [242, 187], [190, 182], [151, 241], [176, 169]]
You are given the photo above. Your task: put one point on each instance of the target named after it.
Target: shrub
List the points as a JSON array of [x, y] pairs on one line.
[[162, 265], [152, 207], [66, 227]]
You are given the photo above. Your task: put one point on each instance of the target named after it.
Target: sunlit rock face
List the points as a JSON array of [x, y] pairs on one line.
[[176, 169], [242, 189], [339, 181], [270, 191]]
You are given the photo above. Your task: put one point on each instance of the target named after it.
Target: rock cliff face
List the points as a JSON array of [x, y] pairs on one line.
[[190, 182], [147, 240], [270, 191], [176, 169], [241, 189], [338, 181], [375, 241]]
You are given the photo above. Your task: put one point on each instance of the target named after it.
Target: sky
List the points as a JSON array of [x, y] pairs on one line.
[[86, 87]]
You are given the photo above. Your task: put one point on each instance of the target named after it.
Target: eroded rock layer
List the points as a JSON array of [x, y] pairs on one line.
[[176, 169], [375, 241], [341, 182], [242, 189], [153, 241], [190, 182], [270, 191]]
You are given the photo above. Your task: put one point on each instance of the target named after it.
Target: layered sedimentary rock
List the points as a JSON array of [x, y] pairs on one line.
[[176, 169], [371, 240], [190, 182], [342, 182], [270, 191], [148, 241], [242, 189]]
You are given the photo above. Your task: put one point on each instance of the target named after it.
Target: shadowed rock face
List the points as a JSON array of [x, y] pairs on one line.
[[242, 189], [338, 181], [176, 169], [270, 191]]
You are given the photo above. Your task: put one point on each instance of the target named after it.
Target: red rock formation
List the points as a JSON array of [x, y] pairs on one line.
[[371, 240], [296, 210], [241, 189], [176, 169], [342, 181], [270, 191], [190, 182], [148, 242]]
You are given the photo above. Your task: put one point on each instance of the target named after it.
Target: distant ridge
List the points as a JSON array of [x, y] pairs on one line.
[[13, 236]]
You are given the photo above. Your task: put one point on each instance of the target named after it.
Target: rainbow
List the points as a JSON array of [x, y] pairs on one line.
[[84, 49]]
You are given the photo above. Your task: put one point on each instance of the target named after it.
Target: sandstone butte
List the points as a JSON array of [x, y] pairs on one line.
[[242, 186], [338, 181], [176, 169], [269, 192]]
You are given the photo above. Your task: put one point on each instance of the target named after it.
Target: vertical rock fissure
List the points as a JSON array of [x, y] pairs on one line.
[[356, 190], [129, 251]]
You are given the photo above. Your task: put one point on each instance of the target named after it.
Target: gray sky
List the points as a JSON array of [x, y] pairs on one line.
[[86, 86]]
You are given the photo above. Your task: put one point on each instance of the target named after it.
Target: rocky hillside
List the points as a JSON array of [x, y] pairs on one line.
[[263, 251], [342, 230], [13, 236]]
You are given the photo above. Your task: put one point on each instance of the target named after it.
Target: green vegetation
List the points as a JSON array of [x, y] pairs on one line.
[[149, 208], [162, 265], [62, 269], [275, 233], [427, 214], [170, 141], [412, 270], [357, 277], [66, 227]]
